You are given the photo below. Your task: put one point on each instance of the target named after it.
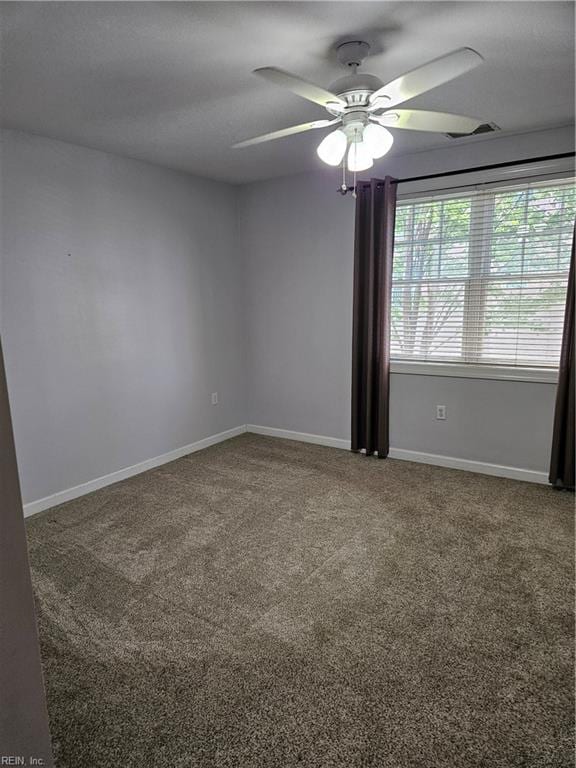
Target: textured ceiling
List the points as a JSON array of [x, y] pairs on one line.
[[171, 83]]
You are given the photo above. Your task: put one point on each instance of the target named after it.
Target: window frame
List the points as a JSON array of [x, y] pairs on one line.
[[470, 181], [474, 371]]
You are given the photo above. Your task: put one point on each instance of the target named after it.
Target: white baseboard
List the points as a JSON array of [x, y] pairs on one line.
[[481, 467], [301, 437], [451, 462], [122, 474]]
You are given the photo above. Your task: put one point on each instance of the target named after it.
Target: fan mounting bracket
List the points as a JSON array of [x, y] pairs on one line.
[[352, 53]]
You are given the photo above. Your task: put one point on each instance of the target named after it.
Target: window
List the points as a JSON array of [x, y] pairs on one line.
[[480, 276]]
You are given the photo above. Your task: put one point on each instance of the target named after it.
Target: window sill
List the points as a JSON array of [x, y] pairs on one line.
[[459, 371]]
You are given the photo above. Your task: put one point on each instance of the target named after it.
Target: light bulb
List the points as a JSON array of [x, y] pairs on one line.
[[378, 139], [332, 147], [359, 156]]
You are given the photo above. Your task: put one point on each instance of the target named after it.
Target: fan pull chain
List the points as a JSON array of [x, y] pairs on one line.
[[354, 172], [344, 186]]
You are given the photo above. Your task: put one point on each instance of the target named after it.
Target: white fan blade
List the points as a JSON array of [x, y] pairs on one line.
[[426, 77], [422, 120], [301, 87], [286, 132]]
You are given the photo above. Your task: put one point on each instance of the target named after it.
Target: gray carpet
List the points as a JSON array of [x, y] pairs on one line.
[[271, 603]]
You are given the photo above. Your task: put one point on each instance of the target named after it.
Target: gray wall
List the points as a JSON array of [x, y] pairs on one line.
[[298, 241], [129, 293], [498, 422], [121, 310]]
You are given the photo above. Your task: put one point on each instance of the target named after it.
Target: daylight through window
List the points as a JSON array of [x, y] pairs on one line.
[[480, 276]]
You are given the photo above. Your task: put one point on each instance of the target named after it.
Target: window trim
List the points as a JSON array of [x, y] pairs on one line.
[[471, 371], [550, 170]]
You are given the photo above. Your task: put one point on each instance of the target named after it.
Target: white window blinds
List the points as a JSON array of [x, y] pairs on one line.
[[480, 276]]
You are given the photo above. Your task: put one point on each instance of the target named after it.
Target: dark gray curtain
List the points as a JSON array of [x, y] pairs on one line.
[[562, 461], [373, 248]]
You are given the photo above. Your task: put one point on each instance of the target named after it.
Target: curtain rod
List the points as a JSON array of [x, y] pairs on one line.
[[487, 167], [491, 167]]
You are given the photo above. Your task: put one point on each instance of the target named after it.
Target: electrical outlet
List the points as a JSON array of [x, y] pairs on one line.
[[214, 398], [441, 412]]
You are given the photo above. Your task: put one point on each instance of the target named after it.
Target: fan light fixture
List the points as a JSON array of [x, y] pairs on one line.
[[363, 149], [378, 138], [333, 147], [359, 156]]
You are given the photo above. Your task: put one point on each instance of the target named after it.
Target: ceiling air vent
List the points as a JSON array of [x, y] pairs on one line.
[[484, 128]]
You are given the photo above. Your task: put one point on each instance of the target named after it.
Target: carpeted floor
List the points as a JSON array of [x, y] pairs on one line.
[[267, 603]]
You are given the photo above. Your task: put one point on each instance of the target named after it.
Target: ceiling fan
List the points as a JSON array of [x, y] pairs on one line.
[[363, 108]]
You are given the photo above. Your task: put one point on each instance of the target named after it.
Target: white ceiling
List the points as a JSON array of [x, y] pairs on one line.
[[171, 82]]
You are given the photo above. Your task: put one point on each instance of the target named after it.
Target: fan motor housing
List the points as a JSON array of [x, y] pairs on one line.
[[355, 90], [355, 84]]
